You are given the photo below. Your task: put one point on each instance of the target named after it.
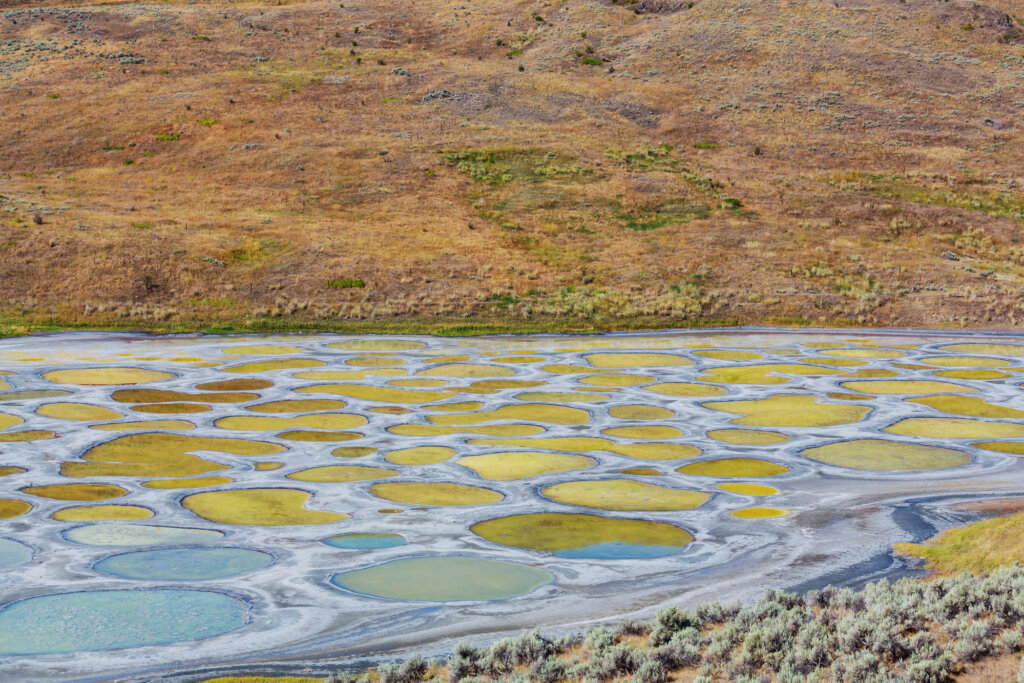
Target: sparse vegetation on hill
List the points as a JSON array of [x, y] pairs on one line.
[[584, 160]]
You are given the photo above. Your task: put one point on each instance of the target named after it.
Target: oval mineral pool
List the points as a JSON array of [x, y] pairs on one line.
[[138, 534], [13, 553], [184, 564], [108, 620], [585, 536], [444, 579], [365, 541]]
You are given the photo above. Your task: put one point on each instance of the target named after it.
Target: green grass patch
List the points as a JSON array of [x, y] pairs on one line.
[[933, 192], [673, 212], [979, 547], [499, 166], [256, 252], [168, 137], [346, 283]]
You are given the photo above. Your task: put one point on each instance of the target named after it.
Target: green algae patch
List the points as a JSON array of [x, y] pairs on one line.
[[489, 386], [236, 385], [271, 365], [342, 473], [258, 507], [102, 513], [374, 362], [1012, 350], [378, 394], [966, 362], [684, 389], [12, 507], [968, 406], [907, 387], [955, 428], [640, 412], [466, 370], [297, 406], [749, 489], [624, 494], [105, 376], [864, 353], [9, 421], [533, 412], [319, 437], [444, 579], [30, 435], [644, 432], [160, 455], [791, 410], [734, 467], [763, 374], [262, 350], [150, 425], [420, 455], [759, 513], [493, 430], [434, 493], [979, 547], [882, 455], [972, 374], [267, 466], [635, 360], [79, 412], [523, 464], [172, 408], [82, 492], [194, 483], [165, 396], [747, 437], [353, 451], [456, 407], [643, 451], [584, 535], [378, 345], [345, 375], [8, 470], [265, 424], [614, 379], [1011, 447]]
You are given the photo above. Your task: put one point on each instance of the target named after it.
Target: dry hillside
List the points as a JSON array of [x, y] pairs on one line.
[[567, 163]]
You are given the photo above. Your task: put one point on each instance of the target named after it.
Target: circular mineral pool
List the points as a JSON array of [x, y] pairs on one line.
[[365, 541], [13, 553], [108, 620], [444, 579], [138, 534], [184, 564]]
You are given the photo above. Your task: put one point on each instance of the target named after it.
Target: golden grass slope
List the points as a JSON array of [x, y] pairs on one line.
[[580, 164]]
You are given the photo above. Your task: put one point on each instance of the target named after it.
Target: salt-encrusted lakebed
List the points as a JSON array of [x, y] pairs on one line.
[[179, 503]]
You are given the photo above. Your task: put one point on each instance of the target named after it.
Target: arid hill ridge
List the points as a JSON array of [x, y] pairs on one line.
[[574, 164]]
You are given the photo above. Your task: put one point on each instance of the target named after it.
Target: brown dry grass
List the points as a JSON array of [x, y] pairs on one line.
[[853, 134]]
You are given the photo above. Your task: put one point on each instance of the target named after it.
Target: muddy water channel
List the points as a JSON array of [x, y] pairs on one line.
[[177, 503]]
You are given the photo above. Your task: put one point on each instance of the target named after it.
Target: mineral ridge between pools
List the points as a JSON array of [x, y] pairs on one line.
[[316, 487]]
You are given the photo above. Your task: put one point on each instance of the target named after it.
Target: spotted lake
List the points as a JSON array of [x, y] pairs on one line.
[[175, 504]]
